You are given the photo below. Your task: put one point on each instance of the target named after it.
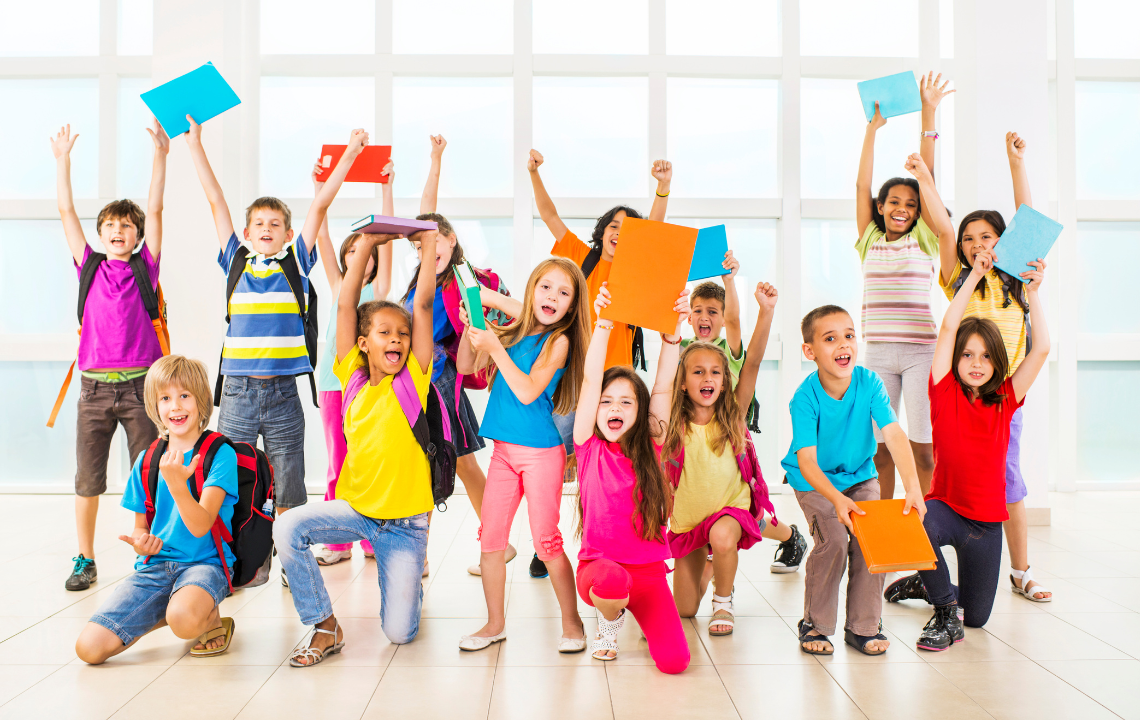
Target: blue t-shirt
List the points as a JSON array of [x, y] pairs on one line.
[[178, 544], [507, 419], [441, 329], [840, 430], [326, 378]]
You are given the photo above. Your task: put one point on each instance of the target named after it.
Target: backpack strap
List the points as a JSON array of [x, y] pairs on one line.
[[237, 267], [356, 381], [205, 449], [292, 274], [149, 478], [592, 259], [405, 389], [86, 277], [444, 417], [674, 466], [142, 279]]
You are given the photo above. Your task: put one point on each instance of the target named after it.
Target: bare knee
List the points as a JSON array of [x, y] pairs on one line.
[[923, 457], [96, 643], [185, 622], [723, 540]]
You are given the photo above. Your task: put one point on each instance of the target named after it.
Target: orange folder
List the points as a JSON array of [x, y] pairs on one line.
[[368, 166], [651, 267], [891, 541]]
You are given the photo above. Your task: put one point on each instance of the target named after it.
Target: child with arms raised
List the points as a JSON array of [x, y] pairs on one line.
[[179, 578], [537, 371], [384, 492]]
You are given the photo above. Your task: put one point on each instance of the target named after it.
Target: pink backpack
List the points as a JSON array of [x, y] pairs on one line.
[[749, 471]]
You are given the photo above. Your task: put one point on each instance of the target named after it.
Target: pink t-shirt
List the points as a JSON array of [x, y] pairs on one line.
[[606, 484], [117, 332]]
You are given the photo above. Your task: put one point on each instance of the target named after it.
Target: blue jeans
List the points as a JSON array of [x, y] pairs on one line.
[[140, 600], [978, 545], [270, 408], [565, 425], [400, 545]]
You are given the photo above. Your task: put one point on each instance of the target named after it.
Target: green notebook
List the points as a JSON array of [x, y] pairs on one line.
[[469, 289]]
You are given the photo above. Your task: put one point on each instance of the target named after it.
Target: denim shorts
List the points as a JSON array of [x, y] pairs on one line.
[[140, 600]]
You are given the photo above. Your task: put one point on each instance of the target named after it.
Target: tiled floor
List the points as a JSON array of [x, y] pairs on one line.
[[1078, 657]]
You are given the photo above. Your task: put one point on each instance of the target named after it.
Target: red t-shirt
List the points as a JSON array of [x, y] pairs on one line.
[[971, 440]]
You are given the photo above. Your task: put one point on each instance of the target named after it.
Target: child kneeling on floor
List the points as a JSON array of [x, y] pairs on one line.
[[179, 579]]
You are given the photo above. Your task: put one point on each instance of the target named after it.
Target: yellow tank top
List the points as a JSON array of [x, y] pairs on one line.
[[709, 482]]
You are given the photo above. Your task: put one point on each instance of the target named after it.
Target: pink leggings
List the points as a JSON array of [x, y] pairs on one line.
[[650, 601], [337, 447]]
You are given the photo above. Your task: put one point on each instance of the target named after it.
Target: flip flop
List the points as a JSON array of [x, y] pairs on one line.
[[806, 637], [226, 629], [859, 642]]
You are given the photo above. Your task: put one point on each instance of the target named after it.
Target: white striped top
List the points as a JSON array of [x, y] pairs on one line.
[[897, 278]]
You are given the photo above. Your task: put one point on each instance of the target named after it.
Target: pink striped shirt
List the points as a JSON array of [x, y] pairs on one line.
[[897, 278]]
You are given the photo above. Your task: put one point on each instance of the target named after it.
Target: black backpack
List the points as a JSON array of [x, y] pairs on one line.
[[251, 540], [308, 311], [588, 266]]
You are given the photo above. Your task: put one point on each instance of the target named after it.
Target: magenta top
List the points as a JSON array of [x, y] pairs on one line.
[[606, 484], [117, 332]]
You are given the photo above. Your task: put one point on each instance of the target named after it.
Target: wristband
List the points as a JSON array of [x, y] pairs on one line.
[[598, 324], [932, 134], [667, 341], [660, 195]]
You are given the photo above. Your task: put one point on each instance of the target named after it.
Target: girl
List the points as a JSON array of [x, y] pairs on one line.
[[527, 361], [384, 492], [713, 505], [377, 281], [623, 499], [972, 400], [897, 250]]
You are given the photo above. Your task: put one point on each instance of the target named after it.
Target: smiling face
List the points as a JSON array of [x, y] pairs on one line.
[[975, 366], [977, 236], [388, 342], [266, 231], [707, 318], [119, 237], [553, 296], [617, 409], [444, 247], [610, 235], [900, 211], [178, 412], [833, 348], [704, 377]]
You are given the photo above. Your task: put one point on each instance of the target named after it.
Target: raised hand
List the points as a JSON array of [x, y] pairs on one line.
[[932, 89], [194, 134], [357, 141], [370, 239], [681, 307], [173, 471], [916, 166], [63, 141], [145, 544], [1014, 147], [159, 137], [318, 168], [877, 120], [662, 171], [438, 143], [1035, 276], [603, 299], [983, 263], [533, 160], [766, 295], [731, 264], [390, 171]]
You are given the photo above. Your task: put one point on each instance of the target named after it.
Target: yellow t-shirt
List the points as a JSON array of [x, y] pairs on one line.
[[385, 473], [1010, 320], [709, 483]]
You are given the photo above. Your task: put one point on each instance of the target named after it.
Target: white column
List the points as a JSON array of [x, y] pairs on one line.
[[526, 254], [1002, 79]]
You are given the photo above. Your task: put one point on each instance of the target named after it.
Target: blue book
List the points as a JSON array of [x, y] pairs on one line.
[[897, 95], [1029, 236], [201, 94], [708, 256]]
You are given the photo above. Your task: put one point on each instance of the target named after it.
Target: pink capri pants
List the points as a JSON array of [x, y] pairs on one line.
[[516, 471]]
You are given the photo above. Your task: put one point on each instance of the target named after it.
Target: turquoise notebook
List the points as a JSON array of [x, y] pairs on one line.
[[897, 95], [201, 94], [708, 257], [1029, 236]]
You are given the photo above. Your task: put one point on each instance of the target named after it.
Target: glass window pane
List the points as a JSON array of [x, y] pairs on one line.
[[944, 158], [1107, 284], [1107, 394], [45, 106], [859, 28], [136, 27], [32, 452], [593, 135], [455, 27], [475, 115], [314, 112], [829, 271], [1106, 29], [722, 136], [1107, 157], [946, 28], [135, 148], [330, 27], [722, 27], [49, 29], [610, 27], [45, 298], [829, 148]]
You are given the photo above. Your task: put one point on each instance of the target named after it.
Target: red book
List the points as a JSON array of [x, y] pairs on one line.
[[368, 166]]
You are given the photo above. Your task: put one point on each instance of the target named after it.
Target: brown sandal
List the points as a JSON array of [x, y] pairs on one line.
[[226, 629]]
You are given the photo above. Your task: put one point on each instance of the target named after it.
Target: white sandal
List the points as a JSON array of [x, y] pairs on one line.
[[722, 615], [315, 655], [1026, 577], [606, 639]]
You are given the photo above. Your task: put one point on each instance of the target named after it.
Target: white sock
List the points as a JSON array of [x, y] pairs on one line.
[[719, 599]]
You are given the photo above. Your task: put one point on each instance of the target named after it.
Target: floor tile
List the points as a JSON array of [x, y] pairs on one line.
[[638, 692], [979, 645], [1112, 683], [634, 649], [454, 693], [79, 692], [50, 642], [1017, 690], [437, 645], [534, 642], [1046, 637], [1120, 630], [15, 679], [787, 691], [754, 641], [221, 692], [313, 693], [256, 641], [551, 693], [885, 690]]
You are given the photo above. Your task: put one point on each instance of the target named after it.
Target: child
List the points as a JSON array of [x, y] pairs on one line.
[[179, 579], [830, 466], [384, 492], [897, 250], [714, 509], [377, 282], [118, 342], [623, 500], [971, 402], [1000, 298], [265, 344], [529, 359]]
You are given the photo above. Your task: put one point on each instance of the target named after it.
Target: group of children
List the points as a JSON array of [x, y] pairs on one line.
[[664, 472]]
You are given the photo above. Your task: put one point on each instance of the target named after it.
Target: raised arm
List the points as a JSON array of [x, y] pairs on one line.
[[661, 394], [157, 188], [327, 193], [864, 199], [932, 90], [1015, 149], [430, 198], [663, 171], [329, 259], [590, 395], [731, 305], [766, 297], [496, 300], [382, 285], [197, 515], [944, 349], [546, 209], [346, 312], [1036, 358], [423, 344], [933, 211], [61, 146], [223, 222]]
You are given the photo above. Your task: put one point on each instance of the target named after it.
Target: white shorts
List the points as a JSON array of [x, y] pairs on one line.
[[905, 371]]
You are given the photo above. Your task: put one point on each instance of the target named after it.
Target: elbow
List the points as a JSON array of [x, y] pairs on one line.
[[197, 531]]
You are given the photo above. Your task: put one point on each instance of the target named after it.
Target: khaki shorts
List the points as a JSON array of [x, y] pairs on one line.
[[103, 406]]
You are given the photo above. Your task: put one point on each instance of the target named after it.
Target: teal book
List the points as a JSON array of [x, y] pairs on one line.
[[1029, 235], [469, 290], [202, 94], [896, 94]]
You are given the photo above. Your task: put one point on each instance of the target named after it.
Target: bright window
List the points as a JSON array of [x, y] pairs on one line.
[[1106, 29], [829, 267], [1103, 283], [1106, 441], [608, 27], [860, 28], [330, 27], [1107, 155], [722, 27], [33, 452], [135, 148], [49, 29], [136, 27], [453, 27], [46, 297]]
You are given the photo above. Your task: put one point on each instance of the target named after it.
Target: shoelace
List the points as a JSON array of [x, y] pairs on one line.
[[81, 564]]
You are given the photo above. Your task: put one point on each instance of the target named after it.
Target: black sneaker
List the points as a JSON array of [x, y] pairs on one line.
[[908, 588], [82, 575], [284, 579], [538, 568], [790, 553], [943, 630]]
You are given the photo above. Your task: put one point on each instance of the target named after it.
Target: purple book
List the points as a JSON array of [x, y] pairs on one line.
[[384, 225]]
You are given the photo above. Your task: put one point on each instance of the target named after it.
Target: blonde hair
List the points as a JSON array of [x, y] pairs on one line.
[[727, 426], [575, 325], [186, 373]]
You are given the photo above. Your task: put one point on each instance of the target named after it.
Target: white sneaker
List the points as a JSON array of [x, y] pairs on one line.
[[331, 557]]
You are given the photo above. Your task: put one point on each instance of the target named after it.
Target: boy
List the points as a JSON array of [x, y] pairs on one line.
[[179, 579], [118, 342], [831, 466], [265, 344]]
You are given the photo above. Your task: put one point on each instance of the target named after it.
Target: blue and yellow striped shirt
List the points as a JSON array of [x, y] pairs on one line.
[[266, 334]]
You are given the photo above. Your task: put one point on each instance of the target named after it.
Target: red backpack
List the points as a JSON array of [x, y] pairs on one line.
[[452, 303], [749, 471], [251, 541]]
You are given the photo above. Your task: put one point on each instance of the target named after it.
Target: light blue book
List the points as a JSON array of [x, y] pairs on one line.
[[708, 256], [1029, 236], [201, 94], [896, 94]]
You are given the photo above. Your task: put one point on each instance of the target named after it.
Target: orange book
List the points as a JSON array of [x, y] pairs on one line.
[[367, 167], [651, 268], [891, 541]]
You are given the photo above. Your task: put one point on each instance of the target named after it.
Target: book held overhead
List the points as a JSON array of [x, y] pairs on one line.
[[202, 94], [368, 166]]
